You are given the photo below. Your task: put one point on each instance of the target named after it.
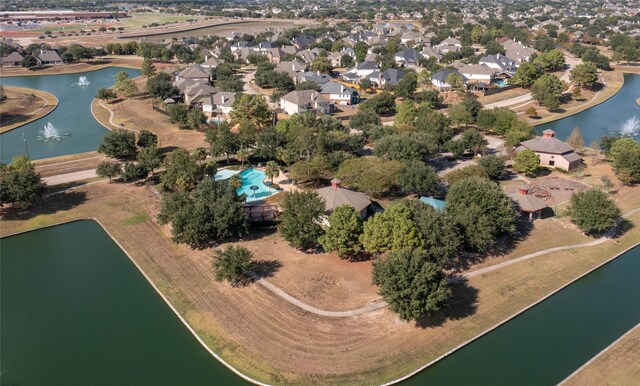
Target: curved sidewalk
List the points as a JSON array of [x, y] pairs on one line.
[[378, 305]]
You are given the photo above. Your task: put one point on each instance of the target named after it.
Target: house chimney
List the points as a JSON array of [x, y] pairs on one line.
[[523, 189], [335, 183], [548, 133]]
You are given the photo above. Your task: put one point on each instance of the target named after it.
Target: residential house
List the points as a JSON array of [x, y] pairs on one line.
[[218, 106], [316, 77], [303, 41], [407, 57], [552, 151], [339, 94], [439, 79], [499, 62], [13, 59], [449, 45], [365, 69], [381, 78], [49, 58], [478, 73], [298, 102], [335, 196], [516, 50], [294, 68], [196, 73]]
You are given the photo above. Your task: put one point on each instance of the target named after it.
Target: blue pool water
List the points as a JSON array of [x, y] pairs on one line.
[[501, 82], [250, 177]]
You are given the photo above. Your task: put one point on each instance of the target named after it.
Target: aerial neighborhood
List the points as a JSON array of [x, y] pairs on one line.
[[320, 193]]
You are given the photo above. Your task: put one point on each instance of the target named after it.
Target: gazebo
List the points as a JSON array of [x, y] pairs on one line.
[[335, 195], [528, 203]]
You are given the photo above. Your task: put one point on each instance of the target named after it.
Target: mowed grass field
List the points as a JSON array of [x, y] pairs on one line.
[[138, 19], [619, 365], [272, 340]]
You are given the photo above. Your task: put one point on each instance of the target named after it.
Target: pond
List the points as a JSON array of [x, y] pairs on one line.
[[76, 311], [547, 343], [78, 131], [619, 115]]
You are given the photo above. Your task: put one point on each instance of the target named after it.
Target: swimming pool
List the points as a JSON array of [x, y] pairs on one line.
[[250, 177]]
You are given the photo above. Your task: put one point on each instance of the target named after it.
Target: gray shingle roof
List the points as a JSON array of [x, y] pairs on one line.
[[547, 145]]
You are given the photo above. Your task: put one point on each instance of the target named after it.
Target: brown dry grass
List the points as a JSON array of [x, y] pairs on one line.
[[19, 108], [137, 114], [619, 365], [272, 340], [72, 68]]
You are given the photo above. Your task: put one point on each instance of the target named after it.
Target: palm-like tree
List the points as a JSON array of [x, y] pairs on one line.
[[271, 170], [242, 156]]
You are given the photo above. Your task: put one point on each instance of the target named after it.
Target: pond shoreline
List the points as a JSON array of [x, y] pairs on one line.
[[499, 324], [74, 68], [51, 104]]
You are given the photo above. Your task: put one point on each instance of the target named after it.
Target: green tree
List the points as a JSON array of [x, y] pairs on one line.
[[625, 156], [182, 171], [364, 118], [134, 172], [411, 283], [383, 103], [371, 175], [300, 217], [482, 211], [465, 172], [547, 91], [150, 158], [406, 114], [419, 178], [531, 111], [494, 166], [106, 94], [455, 81], [212, 212], [473, 140], [119, 144], [271, 170], [148, 69], [20, 185], [392, 229], [364, 84], [527, 162], [321, 64], [252, 108], [195, 119], [593, 211], [551, 61], [440, 234], [108, 169], [346, 61], [459, 115], [178, 114], [222, 141], [407, 85], [406, 146], [584, 74], [526, 74], [315, 169], [342, 234], [232, 264], [161, 86], [125, 85], [147, 139]]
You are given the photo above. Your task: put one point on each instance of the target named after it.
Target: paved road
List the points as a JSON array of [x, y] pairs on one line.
[[522, 99]]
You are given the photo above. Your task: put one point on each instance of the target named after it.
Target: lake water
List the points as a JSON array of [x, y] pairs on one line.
[[547, 343], [76, 311], [72, 116], [606, 118]]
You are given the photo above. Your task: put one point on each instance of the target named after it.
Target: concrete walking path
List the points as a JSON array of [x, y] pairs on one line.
[[378, 305]]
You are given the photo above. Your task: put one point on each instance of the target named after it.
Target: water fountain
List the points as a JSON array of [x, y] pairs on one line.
[[50, 133], [83, 81], [631, 127]]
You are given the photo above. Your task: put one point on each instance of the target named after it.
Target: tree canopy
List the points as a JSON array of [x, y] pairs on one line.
[[20, 185], [593, 211], [300, 219], [211, 213], [342, 234], [232, 264]]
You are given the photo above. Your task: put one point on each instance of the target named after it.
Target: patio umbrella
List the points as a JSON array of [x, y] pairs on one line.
[[254, 188]]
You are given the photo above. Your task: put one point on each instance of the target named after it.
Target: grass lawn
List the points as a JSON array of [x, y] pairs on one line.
[[24, 105], [619, 365], [137, 20], [274, 341]]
